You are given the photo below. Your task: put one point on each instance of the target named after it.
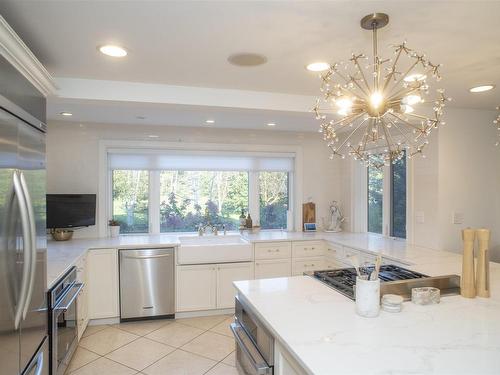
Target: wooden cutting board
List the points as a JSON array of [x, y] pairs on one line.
[[308, 213]]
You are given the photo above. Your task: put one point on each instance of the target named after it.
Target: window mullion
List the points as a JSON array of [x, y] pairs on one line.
[[386, 201], [154, 202], [253, 196]]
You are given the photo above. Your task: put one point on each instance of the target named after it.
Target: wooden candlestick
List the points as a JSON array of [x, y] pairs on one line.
[[467, 282], [483, 263]]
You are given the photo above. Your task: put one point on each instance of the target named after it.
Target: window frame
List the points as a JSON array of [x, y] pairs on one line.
[[387, 201], [105, 200]]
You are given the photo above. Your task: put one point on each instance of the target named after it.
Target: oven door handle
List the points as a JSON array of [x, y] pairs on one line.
[[256, 360], [78, 288]]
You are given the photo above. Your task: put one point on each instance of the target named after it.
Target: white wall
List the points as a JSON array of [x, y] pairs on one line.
[[461, 173], [72, 156]]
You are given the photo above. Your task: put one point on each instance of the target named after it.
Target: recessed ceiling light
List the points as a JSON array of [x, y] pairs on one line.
[[113, 51], [140, 117], [153, 136], [318, 66], [66, 114], [247, 59], [210, 121], [271, 124], [482, 88]]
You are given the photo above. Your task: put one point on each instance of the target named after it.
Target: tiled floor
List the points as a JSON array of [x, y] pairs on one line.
[[191, 346]]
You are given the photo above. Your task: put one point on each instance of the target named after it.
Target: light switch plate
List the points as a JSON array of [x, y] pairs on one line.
[[420, 217], [457, 217]]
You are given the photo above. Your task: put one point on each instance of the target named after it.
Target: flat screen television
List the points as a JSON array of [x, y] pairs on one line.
[[70, 210]]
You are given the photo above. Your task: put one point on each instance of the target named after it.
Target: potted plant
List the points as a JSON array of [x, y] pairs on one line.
[[114, 228]]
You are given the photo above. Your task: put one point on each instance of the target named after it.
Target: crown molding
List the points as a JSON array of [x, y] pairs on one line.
[[13, 49]]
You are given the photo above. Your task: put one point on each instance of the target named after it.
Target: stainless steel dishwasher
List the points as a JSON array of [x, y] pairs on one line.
[[147, 283]]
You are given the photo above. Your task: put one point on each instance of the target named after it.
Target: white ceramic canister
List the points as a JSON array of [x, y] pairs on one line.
[[114, 231], [367, 297]]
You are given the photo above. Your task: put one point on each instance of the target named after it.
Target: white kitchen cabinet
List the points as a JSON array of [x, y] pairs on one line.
[[226, 274], [273, 250], [335, 251], [82, 301], [209, 286], [196, 287], [266, 269], [301, 265], [102, 277], [284, 364], [302, 249]]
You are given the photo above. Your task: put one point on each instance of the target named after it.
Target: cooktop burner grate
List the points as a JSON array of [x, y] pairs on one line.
[[343, 280]]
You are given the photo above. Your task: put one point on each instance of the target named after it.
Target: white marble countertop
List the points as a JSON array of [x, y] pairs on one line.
[[64, 254], [320, 329]]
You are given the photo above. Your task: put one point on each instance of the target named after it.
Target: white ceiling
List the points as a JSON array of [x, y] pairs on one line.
[[114, 112], [187, 43]]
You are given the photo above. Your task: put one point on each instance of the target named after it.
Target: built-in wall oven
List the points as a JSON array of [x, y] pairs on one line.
[[63, 327], [254, 343]]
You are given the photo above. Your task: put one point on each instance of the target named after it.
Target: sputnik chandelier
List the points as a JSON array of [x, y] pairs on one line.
[[496, 122], [377, 103]]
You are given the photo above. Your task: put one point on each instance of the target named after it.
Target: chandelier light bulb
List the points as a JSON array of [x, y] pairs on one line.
[[344, 103], [376, 99], [415, 77]]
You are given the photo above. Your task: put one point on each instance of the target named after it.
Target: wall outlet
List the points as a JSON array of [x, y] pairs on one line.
[[420, 217], [457, 217]]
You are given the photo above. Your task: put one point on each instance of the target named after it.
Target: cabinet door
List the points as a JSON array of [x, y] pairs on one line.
[[266, 269], [196, 287], [226, 274], [102, 283]]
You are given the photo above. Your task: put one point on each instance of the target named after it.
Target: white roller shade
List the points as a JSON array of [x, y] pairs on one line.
[[199, 160]]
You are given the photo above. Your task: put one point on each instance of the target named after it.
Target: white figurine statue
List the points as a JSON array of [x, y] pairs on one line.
[[336, 218]]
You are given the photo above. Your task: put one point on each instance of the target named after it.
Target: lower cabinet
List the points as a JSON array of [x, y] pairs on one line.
[[102, 286], [266, 269], [196, 287], [209, 286], [82, 311], [301, 265]]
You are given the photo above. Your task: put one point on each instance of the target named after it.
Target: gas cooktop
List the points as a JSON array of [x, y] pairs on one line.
[[344, 279]]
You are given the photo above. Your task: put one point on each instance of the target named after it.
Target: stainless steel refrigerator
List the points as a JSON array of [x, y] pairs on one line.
[[23, 249]]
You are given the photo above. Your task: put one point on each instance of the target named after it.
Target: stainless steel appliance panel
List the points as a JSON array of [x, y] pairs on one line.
[[39, 364], [63, 321], [260, 336], [11, 248], [249, 361], [31, 164], [147, 283]]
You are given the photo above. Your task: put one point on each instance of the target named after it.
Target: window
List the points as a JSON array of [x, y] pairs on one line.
[[386, 208], [273, 200], [161, 191], [375, 199], [131, 200], [398, 199], [186, 197]]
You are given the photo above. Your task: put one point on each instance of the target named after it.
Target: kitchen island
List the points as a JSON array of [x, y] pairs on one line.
[[317, 331]]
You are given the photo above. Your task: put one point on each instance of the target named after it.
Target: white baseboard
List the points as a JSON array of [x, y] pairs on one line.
[[179, 315]]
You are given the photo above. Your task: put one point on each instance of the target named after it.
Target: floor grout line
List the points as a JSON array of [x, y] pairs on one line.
[[204, 330]]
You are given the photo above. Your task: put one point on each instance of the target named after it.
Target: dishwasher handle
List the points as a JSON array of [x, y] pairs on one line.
[[147, 256], [251, 360]]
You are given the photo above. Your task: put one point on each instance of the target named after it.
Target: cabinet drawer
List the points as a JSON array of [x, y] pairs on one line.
[[299, 266], [273, 250], [332, 264], [335, 251], [349, 252], [266, 269], [307, 249]]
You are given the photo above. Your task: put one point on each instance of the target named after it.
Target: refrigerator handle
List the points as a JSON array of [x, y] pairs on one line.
[[18, 192], [32, 229]]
